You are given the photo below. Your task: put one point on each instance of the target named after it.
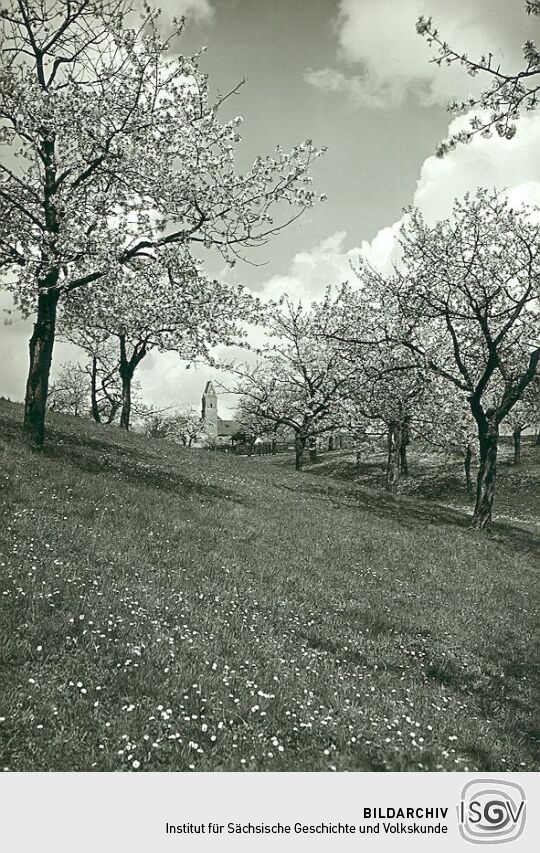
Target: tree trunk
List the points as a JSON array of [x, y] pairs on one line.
[[312, 450], [299, 444], [37, 385], [331, 442], [405, 439], [126, 374], [394, 456], [93, 392], [467, 460], [112, 414], [516, 435], [403, 462], [488, 435], [537, 441], [126, 370]]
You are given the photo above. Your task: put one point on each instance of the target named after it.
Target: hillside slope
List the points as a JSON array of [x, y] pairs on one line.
[[167, 609]]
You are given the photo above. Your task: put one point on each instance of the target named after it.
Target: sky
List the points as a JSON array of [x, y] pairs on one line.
[[354, 76]]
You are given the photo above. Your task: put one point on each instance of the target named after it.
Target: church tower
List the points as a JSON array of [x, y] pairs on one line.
[[209, 410]]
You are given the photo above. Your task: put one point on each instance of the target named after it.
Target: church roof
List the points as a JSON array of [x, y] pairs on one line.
[[209, 388], [227, 427]]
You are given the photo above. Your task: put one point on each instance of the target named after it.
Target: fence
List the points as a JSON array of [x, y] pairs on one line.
[[264, 448]]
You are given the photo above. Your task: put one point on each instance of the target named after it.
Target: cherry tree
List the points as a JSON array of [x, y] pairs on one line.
[[252, 425], [115, 152], [537, 409], [508, 95], [469, 292], [69, 394], [188, 427], [102, 369], [301, 380], [184, 426], [522, 417], [445, 423], [389, 380], [173, 309], [390, 395]]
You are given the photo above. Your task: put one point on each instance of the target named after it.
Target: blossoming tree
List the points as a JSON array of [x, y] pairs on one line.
[[115, 153], [509, 93], [301, 381], [169, 309], [389, 381], [469, 288]]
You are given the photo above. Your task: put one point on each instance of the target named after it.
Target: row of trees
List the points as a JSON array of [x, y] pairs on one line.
[[118, 170], [76, 392], [445, 346]]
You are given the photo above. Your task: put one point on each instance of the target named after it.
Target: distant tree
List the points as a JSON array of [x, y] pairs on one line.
[[386, 400], [172, 309], [92, 389], [446, 424], [103, 371], [506, 98], [522, 417], [389, 379], [156, 425], [116, 155], [301, 379], [469, 292], [253, 426], [537, 410], [187, 427], [69, 394]]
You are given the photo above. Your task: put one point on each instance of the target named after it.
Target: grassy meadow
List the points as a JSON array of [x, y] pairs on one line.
[[172, 609]]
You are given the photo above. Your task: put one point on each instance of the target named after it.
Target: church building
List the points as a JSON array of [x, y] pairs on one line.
[[218, 430]]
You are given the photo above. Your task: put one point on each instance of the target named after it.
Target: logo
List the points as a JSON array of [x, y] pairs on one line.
[[491, 811]]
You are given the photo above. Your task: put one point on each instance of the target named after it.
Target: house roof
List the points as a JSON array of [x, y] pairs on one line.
[[227, 427]]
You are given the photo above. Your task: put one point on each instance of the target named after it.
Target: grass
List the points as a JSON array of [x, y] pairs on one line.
[[171, 609], [439, 478]]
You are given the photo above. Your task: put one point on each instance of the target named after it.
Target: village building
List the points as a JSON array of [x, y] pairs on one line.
[[219, 431]]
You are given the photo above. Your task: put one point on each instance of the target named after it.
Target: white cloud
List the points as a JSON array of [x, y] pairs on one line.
[[386, 60], [382, 252], [198, 10], [511, 166], [330, 80], [313, 270]]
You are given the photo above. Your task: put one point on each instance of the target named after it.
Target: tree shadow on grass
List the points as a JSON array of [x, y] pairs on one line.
[[405, 510], [133, 465], [131, 468]]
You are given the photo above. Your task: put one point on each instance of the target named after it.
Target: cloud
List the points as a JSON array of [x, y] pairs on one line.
[[313, 270], [198, 10], [383, 251], [510, 166], [385, 61], [330, 80], [330, 263]]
